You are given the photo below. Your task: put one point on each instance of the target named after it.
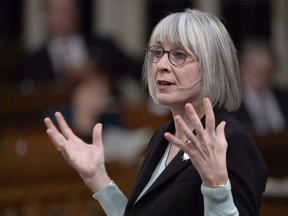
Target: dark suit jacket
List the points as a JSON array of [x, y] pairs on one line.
[[177, 189], [244, 117], [38, 65]]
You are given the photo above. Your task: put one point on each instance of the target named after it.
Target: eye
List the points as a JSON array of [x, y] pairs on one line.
[[178, 54], [158, 52]]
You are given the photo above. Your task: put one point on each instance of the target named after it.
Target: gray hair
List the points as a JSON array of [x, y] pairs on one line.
[[206, 38]]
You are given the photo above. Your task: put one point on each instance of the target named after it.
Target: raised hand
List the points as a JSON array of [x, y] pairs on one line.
[[206, 147], [87, 159]]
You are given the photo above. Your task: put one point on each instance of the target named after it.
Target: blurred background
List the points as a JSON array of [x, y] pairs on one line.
[[84, 58]]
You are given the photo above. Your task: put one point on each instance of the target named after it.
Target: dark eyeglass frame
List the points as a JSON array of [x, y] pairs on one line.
[[150, 51]]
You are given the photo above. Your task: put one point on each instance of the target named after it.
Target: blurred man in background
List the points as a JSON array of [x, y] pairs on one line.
[[68, 48], [264, 107]]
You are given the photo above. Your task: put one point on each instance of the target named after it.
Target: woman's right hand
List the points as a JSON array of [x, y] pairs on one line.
[[87, 159]]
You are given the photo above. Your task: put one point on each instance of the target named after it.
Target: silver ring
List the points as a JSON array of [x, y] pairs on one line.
[[188, 142]]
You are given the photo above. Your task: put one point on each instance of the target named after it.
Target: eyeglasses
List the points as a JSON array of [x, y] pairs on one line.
[[176, 56]]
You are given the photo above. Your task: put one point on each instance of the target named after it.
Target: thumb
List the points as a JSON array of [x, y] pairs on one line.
[[97, 134]]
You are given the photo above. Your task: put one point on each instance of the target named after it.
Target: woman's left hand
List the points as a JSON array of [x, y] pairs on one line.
[[206, 147]]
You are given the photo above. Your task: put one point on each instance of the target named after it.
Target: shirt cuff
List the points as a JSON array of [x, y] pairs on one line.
[[219, 200], [111, 199]]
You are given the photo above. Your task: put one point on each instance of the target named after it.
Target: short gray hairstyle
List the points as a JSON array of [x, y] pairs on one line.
[[205, 37]]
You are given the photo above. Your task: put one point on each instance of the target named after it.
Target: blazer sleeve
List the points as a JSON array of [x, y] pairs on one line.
[[247, 172]]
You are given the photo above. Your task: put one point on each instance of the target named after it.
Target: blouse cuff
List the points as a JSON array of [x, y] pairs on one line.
[[219, 200], [111, 199]]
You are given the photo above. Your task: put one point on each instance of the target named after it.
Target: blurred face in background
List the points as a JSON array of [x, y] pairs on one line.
[[62, 17], [257, 70], [90, 90]]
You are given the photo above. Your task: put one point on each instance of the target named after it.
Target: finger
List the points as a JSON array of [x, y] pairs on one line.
[[220, 130], [176, 141], [181, 127], [49, 123], [194, 118], [51, 128], [65, 129], [210, 118], [97, 133], [55, 136]]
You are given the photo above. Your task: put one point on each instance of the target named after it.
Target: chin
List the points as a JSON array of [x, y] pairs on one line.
[[163, 101], [166, 100]]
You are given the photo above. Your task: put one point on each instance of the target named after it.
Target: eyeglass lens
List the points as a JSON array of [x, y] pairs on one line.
[[176, 56]]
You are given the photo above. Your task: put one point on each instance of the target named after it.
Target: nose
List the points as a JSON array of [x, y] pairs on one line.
[[164, 63]]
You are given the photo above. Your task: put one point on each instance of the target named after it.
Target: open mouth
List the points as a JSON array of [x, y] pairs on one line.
[[164, 83]]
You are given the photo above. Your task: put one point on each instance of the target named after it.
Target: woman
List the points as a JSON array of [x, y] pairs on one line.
[[193, 161]]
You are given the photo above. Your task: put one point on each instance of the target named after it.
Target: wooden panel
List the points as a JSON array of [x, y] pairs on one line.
[[274, 148], [35, 179], [274, 206]]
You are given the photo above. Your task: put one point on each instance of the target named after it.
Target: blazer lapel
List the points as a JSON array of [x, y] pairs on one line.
[[174, 167], [157, 147], [156, 150]]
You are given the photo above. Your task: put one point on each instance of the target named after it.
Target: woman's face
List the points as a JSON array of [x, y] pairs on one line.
[[175, 85]]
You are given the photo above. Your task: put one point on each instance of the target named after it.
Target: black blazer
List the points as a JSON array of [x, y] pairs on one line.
[[177, 189]]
